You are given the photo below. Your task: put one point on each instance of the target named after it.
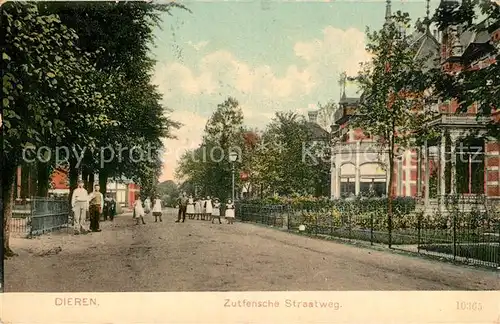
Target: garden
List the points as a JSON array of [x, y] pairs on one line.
[[473, 234]]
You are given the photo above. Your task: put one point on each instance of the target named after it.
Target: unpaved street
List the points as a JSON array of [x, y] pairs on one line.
[[199, 256]]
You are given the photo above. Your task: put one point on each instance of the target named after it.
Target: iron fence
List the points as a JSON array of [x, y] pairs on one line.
[[40, 216], [48, 214], [464, 229]]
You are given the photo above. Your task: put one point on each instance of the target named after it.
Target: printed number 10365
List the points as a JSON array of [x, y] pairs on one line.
[[469, 306]]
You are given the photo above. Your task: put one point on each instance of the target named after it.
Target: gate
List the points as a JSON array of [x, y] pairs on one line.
[[48, 214]]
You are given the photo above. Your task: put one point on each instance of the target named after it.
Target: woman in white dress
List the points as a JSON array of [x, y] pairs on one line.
[[202, 209], [190, 208], [216, 211], [208, 208], [230, 212], [197, 208], [157, 210], [139, 211], [147, 206]]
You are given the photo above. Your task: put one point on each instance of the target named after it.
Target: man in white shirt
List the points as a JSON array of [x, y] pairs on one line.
[[80, 205], [96, 204]]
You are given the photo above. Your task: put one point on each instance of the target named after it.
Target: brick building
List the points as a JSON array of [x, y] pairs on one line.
[[457, 156]]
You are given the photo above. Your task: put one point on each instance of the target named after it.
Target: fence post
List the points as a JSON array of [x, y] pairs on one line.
[[30, 220], [288, 217], [498, 258], [454, 236], [371, 228], [317, 224], [419, 226], [274, 217], [331, 225], [349, 220]]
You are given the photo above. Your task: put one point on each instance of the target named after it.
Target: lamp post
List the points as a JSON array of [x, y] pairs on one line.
[[233, 156]]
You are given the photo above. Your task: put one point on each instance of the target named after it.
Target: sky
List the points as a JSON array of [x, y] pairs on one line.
[[271, 56]]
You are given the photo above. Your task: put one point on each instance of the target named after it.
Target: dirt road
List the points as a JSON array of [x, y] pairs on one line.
[[199, 256]]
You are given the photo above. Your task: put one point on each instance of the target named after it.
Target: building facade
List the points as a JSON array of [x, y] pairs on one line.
[[458, 161]]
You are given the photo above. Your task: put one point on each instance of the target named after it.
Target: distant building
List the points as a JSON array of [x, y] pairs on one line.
[[124, 190]]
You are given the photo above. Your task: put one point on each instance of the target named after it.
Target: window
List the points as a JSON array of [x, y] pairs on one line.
[[378, 189], [470, 167], [347, 188]]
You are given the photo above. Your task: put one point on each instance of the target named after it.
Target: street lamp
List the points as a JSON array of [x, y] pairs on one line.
[[233, 156]]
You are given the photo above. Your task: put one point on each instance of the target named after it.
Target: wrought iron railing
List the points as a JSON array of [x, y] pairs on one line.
[[48, 214], [465, 230]]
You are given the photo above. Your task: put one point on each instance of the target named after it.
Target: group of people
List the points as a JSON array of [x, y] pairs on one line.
[[204, 209], [141, 210], [93, 203]]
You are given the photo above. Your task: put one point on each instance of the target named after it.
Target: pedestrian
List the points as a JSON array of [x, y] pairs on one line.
[[197, 208], [208, 208], [147, 206], [112, 211], [107, 207], [183, 201], [157, 210], [216, 211], [230, 212], [190, 207], [202, 209], [139, 211], [80, 205], [96, 204]]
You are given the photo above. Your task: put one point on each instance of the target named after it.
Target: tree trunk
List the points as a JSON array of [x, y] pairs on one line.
[[9, 174], [73, 177], [103, 181], [91, 181], [85, 178], [43, 171], [390, 194]]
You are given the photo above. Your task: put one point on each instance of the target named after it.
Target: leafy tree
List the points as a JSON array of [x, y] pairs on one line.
[[469, 87], [392, 86], [325, 114], [43, 77], [208, 166], [169, 191], [285, 166], [250, 141], [123, 32]]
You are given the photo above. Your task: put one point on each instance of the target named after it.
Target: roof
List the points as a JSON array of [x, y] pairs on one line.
[[317, 131], [477, 41], [348, 100], [427, 48]]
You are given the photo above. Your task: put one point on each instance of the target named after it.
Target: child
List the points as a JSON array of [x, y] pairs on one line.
[[157, 209], [147, 206], [216, 211], [230, 212], [208, 208], [197, 209], [138, 211], [190, 208], [203, 212]]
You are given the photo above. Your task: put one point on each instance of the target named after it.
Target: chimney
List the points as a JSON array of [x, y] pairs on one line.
[[313, 116]]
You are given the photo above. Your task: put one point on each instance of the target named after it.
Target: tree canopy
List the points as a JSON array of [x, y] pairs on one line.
[[78, 76]]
